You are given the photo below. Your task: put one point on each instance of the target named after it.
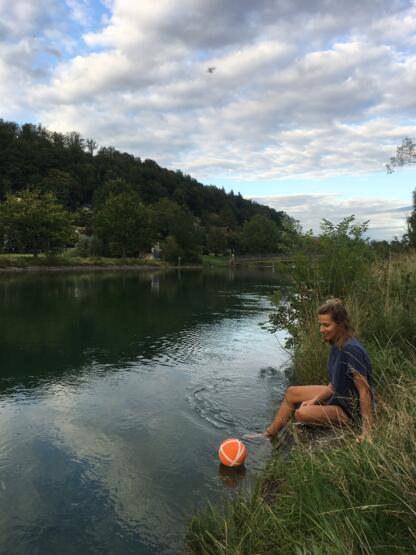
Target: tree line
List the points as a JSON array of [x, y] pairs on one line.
[[61, 190]]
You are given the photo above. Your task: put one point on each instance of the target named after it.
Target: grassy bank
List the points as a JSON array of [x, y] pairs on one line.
[[22, 261], [339, 497]]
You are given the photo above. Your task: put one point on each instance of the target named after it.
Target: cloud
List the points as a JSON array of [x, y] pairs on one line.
[[387, 219], [335, 98]]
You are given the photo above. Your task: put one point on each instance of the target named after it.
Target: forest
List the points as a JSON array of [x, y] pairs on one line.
[[61, 191]]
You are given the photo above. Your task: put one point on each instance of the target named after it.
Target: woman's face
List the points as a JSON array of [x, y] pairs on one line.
[[327, 327]]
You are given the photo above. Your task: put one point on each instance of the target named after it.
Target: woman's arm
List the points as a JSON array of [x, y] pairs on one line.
[[325, 394], [366, 408]]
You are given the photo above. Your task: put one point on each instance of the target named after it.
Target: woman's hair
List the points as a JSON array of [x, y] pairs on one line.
[[336, 309]]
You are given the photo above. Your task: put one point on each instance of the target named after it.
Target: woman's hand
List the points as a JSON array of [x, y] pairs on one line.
[[364, 436], [308, 403]]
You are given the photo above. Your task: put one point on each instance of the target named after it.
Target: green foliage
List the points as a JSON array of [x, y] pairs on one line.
[[171, 251], [112, 187], [124, 224], [260, 235], [405, 155], [169, 216], [34, 222], [410, 236], [345, 256], [84, 177], [89, 245], [342, 265], [66, 189], [217, 240]]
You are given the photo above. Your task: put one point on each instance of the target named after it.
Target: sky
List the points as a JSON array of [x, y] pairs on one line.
[[297, 104]]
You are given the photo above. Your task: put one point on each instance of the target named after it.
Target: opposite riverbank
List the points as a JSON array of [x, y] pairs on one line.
[[57, 263], [341, 496], [42, 262]]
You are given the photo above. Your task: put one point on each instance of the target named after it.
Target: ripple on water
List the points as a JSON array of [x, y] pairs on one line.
[[6, 448], [206, 403]]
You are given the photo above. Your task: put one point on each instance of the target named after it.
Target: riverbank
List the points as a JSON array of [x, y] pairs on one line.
[[62, 263], [339, 497], [57, 263]]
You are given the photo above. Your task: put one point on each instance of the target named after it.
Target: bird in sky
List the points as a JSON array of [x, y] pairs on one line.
[[211, 69]]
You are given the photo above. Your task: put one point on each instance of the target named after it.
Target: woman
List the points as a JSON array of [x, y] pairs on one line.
[[348, 397]]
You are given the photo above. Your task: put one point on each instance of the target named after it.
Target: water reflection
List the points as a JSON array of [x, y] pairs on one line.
[[88, 319], [232, 477], [116, 392]]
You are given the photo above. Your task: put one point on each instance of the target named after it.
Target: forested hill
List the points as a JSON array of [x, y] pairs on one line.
[[80, 175]]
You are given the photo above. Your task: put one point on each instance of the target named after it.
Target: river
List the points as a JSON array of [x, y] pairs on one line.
[[116, 390]]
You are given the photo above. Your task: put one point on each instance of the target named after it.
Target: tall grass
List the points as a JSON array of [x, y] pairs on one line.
[[339, 497]]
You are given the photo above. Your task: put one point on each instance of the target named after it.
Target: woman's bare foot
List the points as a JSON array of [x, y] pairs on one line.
[[271, 431]]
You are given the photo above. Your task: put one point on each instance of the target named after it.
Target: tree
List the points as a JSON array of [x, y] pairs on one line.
[[260, 235], [217, 240], [124, 224], [171, 251], [405, 155], [66, 189], [112, 187], [345, 255], [410, 236], [35, 222], [168, 217], [91, 146], [178, 222]]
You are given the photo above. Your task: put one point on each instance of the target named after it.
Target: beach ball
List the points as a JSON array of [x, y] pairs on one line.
[[232, 452]]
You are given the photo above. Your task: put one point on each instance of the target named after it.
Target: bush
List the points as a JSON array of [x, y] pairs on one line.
[[89, 245]]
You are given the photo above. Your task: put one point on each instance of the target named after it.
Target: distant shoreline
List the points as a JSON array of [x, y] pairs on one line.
[[22, 264], [23, 269]]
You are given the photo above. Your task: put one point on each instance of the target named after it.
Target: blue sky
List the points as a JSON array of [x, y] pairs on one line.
[[307, 102]]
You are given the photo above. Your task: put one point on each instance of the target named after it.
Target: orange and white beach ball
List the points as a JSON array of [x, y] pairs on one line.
[[232, 452]]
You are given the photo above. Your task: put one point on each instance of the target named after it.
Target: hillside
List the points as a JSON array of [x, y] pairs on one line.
[[82, 177]]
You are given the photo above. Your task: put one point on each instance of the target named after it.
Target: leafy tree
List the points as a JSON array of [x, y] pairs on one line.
[[35, 222], [124, 224], [410, 236], [260, 235], [178, 222], [152, 191], [343, 264], [89, 245], [66, 189], [217, 240], [91, 146], [227, 217], [112, 187], [345, 255], [171, 251], [168, 217], [406, 155]]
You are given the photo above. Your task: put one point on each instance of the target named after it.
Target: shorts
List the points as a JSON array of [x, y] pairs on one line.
[[348, 405]]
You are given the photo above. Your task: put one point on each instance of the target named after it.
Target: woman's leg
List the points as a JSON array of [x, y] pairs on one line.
[[322, 414], [294, 394]]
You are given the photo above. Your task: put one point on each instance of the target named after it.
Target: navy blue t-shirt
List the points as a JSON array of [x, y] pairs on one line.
[[341, 364]]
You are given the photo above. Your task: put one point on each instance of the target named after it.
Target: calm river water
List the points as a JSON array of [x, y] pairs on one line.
[[115, 393]]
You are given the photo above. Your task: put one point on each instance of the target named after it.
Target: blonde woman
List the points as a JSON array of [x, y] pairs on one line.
[[348, 397]]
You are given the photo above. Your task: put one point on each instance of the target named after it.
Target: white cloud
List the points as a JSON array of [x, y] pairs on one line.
[[386, 218], [305, 89]]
